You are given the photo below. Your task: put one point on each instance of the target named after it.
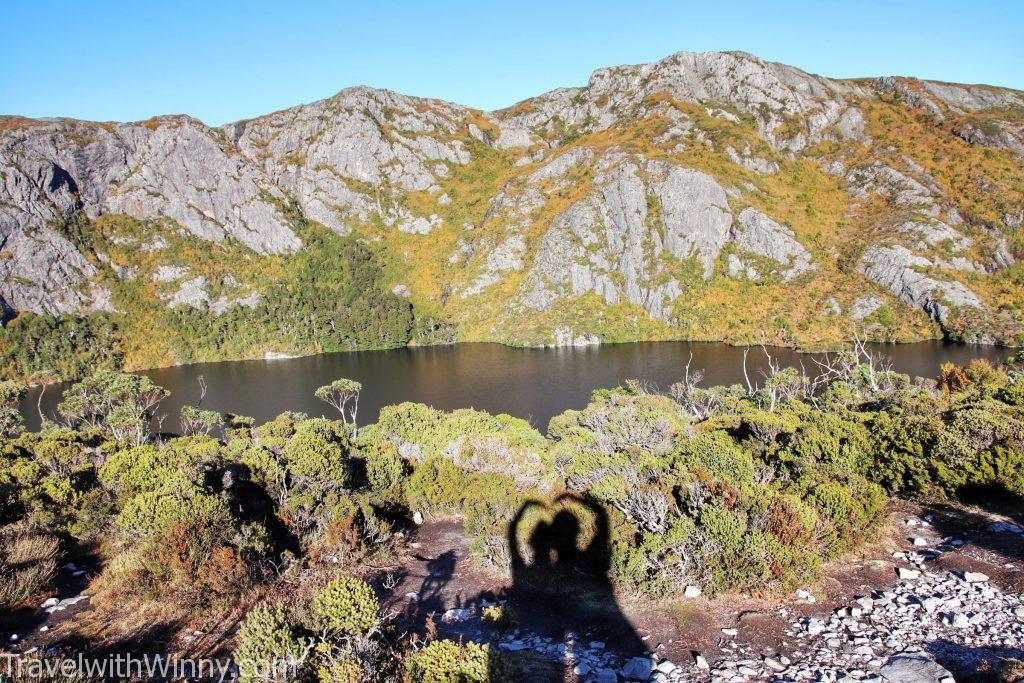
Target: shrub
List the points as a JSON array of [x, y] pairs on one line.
[[316, 457], [346, 605], [444, 661], [478, 442], [341, 669], [28, 562], [122, 404], [901, 447], [617, 420], [156, 512], [716, 455], [196, 564], [196, 421], [11, 422], [269, 647], [500, 617], [853, 508], [386, 470]]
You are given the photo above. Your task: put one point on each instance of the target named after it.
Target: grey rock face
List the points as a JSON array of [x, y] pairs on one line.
[[191, 293], [896, 269], [506, 256], [695, 214], [44, 271], [934, 233], [888, 85], [904, 190], [172, 167], [865, 306], [611, 244], [768, 91], [328, 153], [931, 96], [998, 134], [758, 234], [564, 336], [183, 172], [167, 273], [751, 162], [418, 225]]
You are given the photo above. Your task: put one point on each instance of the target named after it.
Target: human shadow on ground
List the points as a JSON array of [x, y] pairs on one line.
[[561, 580], [440, 571]]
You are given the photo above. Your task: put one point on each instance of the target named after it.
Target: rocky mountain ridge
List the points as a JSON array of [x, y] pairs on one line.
[[704, 196]]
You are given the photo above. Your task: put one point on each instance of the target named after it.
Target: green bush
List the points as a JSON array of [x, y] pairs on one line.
[[715, 455], [269, 647], [444, 661], [156, 512], [317, 455], [346, 605], [386, 470]]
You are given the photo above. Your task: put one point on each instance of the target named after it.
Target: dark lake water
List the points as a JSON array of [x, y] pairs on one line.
[[534, 384]]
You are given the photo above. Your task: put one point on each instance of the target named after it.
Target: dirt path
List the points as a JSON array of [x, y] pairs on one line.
[[440, 578], [438, 581]]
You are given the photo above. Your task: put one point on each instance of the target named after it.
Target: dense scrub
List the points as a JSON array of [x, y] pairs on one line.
[[330, 296], [744, 489]]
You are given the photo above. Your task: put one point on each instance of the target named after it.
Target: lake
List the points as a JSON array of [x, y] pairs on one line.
[[534, 384]]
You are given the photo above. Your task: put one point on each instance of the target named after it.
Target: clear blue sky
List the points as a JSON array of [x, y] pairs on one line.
[[222, 60]]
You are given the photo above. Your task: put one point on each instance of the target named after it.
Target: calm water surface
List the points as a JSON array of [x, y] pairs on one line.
[[534, 384]]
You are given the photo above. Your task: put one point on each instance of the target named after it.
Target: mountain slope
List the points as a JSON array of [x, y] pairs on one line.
[[705, 196]]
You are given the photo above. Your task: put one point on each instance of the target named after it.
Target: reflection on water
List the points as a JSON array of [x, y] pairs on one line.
[[535, 384]]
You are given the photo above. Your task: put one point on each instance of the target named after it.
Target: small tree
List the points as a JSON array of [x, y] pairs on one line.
[[120, 403], [339, 394], [196, 421]]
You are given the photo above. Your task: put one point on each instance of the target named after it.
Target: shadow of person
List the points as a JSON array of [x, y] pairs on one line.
[[440, 571], [562, 584]]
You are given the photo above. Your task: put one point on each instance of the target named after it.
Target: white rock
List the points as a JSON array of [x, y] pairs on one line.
[[638, 669], [909, 574], [666, 667], [692, 592], [455, 615], [975, 577]]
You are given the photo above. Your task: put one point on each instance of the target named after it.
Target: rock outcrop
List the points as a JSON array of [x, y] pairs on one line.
[[620, 240], [900, 271], [758, 234]]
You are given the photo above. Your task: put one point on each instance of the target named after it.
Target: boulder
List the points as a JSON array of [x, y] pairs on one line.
[[914, 668], [638, 669]]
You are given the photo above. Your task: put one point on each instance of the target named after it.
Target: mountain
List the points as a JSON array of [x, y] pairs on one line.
[[704, 196]]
